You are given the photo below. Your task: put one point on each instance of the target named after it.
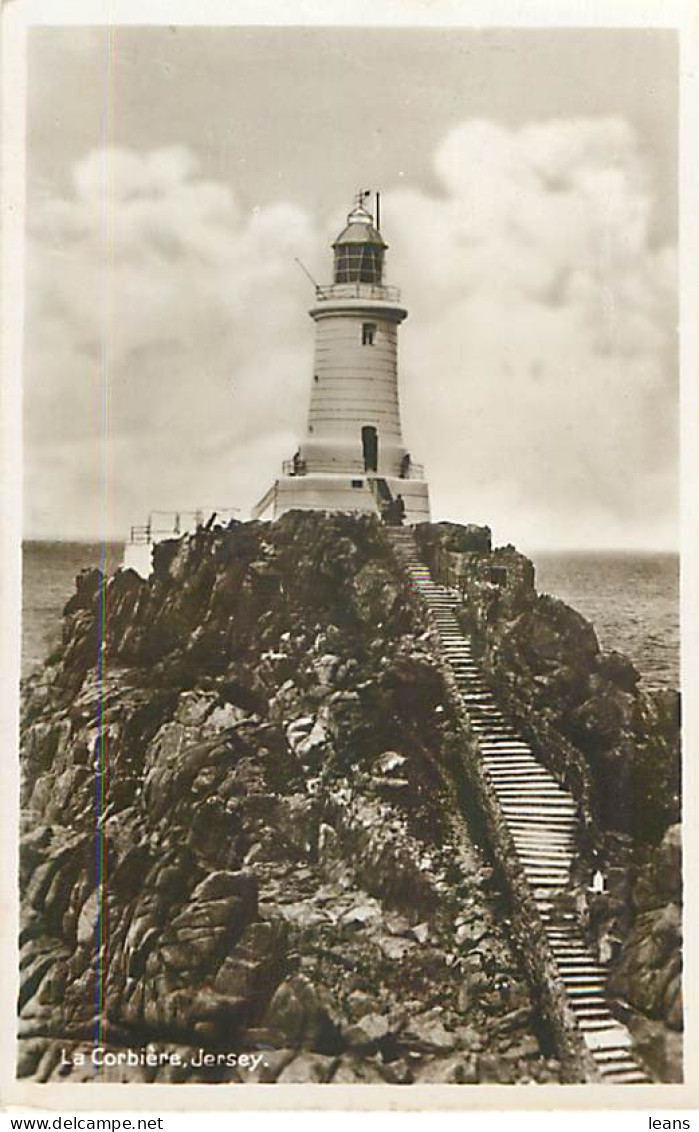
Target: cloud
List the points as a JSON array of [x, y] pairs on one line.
[[539, 368], [157, 307], [542, 333]]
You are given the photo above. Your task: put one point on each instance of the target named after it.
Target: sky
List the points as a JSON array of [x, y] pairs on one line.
[[528, 182]]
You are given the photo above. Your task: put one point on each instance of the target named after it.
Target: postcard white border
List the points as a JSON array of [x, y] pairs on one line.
[[17, 17]]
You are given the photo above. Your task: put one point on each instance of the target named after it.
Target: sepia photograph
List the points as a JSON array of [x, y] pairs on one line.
[[349, 735]]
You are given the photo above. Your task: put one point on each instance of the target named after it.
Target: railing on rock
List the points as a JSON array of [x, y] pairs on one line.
[[172, 524]]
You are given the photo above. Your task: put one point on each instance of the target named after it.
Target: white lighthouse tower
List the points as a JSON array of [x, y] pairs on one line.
[[353, 457]]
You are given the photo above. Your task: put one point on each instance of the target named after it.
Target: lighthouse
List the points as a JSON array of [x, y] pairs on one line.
[[353, 456]]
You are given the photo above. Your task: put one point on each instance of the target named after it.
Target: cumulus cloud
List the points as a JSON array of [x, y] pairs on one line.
[[542, 334], [167, 354], [538, 360]]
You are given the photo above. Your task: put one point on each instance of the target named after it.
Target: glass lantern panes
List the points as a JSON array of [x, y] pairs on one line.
[[358, 263]]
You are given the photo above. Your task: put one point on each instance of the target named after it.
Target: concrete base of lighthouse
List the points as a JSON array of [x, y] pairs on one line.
[[342, 492]]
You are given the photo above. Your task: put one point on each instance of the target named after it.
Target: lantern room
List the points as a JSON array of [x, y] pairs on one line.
[[359, 249]]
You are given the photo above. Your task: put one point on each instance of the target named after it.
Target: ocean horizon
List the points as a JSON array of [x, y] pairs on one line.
[[630, 596]]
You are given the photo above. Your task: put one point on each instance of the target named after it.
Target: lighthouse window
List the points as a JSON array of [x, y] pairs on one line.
[[368, 333]]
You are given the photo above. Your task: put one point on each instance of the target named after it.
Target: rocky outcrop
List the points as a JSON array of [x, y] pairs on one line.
[[241, 848], [614, 744], [545, 662], [245, 848], [649, 973]]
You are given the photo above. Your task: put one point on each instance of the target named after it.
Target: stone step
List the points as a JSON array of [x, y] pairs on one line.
[[613, 1053], [637, 1077], [520, 777], [506, 756], [582, 985], [545, 860], [544, 864], [548, 840], [546, 822], [541, 837], [493, 730], [615, 1060], [523, 771], [600, 1035], [526, 818], [521, 788], [524, 775], [582, 976], [557, 873], [546, 795], [578, 962], [547, 804], [510, 796], [595, 1000], [498, 746], [518, 774], [621, 1065]]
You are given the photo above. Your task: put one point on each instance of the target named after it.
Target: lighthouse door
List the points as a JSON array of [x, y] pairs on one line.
[[370, 446]]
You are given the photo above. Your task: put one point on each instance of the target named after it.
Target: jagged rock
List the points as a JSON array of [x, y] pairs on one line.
[[397, 1072], [456, 1070], [391, 762], [619, 670], [264, 682], [513, 1021], [494, 1070], [648, 971], [368, 1033], [29, 1053], [428, 1036], [352, 1071], [308, 1069], [299, 1016]]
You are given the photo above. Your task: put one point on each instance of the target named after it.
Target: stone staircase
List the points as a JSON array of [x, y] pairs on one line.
[[542, 818]]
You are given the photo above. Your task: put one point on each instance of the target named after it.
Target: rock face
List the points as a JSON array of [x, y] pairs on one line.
[[616, 745], [240, 835], [649, 973], [545, 660]]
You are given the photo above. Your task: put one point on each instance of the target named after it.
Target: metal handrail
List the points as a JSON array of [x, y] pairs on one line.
[[297, 467], [380, 291], [181, 523]]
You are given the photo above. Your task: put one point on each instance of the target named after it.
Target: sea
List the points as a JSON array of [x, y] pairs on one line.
[[632, 599]]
